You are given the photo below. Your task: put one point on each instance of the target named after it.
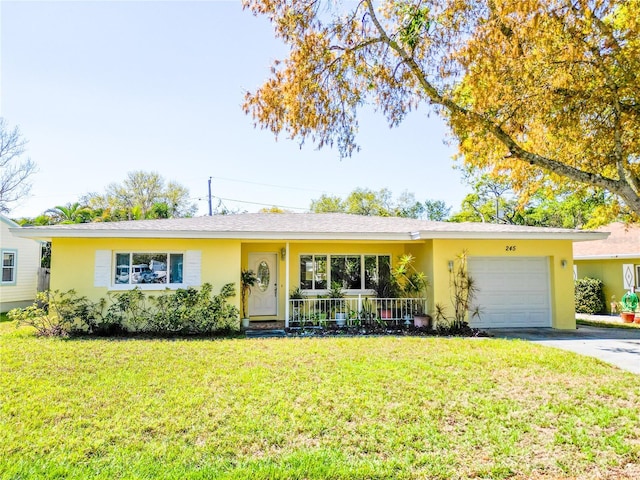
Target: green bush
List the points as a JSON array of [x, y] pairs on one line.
[[190, 311], [185, 311], [589, 296], [55, 313]]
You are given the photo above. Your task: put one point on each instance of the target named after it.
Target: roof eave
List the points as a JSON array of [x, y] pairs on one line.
[[48, 234], [608, 256], [41, 233], [574, 236]]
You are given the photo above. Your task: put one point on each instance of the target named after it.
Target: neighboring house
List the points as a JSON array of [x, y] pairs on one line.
[[614, 260], [20, 264], [524, 274]]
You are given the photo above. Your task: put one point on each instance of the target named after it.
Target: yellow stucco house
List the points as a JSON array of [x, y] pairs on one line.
[[615, 260], [524, 274]]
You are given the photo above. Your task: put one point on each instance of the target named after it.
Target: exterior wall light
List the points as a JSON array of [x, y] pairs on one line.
[[451, 265], [283, 253], [563, 263]]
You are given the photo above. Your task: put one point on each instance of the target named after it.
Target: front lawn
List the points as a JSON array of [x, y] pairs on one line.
[[312, 408]]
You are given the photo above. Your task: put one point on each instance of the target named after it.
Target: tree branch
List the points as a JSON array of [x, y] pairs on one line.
[[618, 186]]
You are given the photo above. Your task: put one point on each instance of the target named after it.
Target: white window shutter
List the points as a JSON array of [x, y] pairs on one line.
[[192, 267], [628, 276], [102, 272]]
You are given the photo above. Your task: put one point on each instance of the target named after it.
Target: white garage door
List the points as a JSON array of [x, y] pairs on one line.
[[512, 292]]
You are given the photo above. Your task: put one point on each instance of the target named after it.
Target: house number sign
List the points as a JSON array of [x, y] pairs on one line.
[[510, 248]]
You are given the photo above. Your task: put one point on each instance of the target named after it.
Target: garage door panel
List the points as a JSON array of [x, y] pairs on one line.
[[512, 292]]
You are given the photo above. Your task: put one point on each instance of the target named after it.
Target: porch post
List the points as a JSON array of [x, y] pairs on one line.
[[286, 286]]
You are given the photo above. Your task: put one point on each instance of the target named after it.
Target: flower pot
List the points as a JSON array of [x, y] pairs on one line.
[[386, 314], [637, 317], [245, 323], [341, 319], [421, 321], [627, 317]]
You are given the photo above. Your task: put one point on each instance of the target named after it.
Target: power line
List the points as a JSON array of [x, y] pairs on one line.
[[220, 199], [288, 187]]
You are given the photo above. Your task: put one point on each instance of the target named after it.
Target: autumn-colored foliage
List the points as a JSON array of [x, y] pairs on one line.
[[543, 91]]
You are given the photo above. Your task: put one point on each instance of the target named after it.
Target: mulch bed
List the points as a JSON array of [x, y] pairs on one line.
[[399, 330]]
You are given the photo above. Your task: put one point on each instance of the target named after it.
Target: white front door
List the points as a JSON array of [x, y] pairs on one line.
[[263, 299]]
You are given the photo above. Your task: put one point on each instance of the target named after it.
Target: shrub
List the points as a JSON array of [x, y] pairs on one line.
[[463, 290], [128, 312], [193, 311], [589, 295], [55, 313], [185, 311]]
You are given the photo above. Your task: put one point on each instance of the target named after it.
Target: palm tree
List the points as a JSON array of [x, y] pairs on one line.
[[70, 213]]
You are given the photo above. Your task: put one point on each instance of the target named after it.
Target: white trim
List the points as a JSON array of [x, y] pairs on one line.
[[48, 233], [192, 268], [628, 276], [102, 268], [14, 267], [621, 256], [286, 285], [120, 287], [8, 221]]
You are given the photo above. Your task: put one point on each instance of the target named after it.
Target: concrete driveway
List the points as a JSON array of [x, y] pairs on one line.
[[617, 346]]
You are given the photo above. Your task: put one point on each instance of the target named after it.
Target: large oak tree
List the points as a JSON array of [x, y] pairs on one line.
[[543, 91]]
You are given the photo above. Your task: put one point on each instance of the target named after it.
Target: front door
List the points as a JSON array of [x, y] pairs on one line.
[[263, 299]]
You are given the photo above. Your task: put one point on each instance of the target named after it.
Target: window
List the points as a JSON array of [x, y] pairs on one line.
[[313, 272], [9, 266], [346, 271], [145, 268], [353, 272]]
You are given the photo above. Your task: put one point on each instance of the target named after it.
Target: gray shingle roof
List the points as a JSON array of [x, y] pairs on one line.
[[301, 226]]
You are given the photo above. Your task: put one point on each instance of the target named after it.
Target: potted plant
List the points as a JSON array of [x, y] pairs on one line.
[[296, 296], [248, 279], [412, 284], [321, 308], [367, 313], [386, 288], [336, 294], [628, 306]]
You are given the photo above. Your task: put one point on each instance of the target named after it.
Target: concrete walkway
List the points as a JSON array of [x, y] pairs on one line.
[[617, 346]]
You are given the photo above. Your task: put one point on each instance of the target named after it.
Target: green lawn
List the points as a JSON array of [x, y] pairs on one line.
[[311, 408], [607, 322]]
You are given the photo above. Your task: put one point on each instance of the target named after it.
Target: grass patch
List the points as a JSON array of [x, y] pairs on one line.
[[312, 408], [4, 317], [613, 323]]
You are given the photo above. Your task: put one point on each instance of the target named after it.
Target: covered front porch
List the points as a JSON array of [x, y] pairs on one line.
[[354, 311], [332, 284]]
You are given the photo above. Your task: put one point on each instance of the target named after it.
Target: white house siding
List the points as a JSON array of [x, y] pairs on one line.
[[23, 292]]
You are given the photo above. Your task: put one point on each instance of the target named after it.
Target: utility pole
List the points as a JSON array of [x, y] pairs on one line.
[[210, 210]]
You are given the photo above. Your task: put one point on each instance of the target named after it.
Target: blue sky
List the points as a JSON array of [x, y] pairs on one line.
[[103, 88]]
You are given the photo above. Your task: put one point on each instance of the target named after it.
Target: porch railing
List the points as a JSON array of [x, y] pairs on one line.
[[353, 311]]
